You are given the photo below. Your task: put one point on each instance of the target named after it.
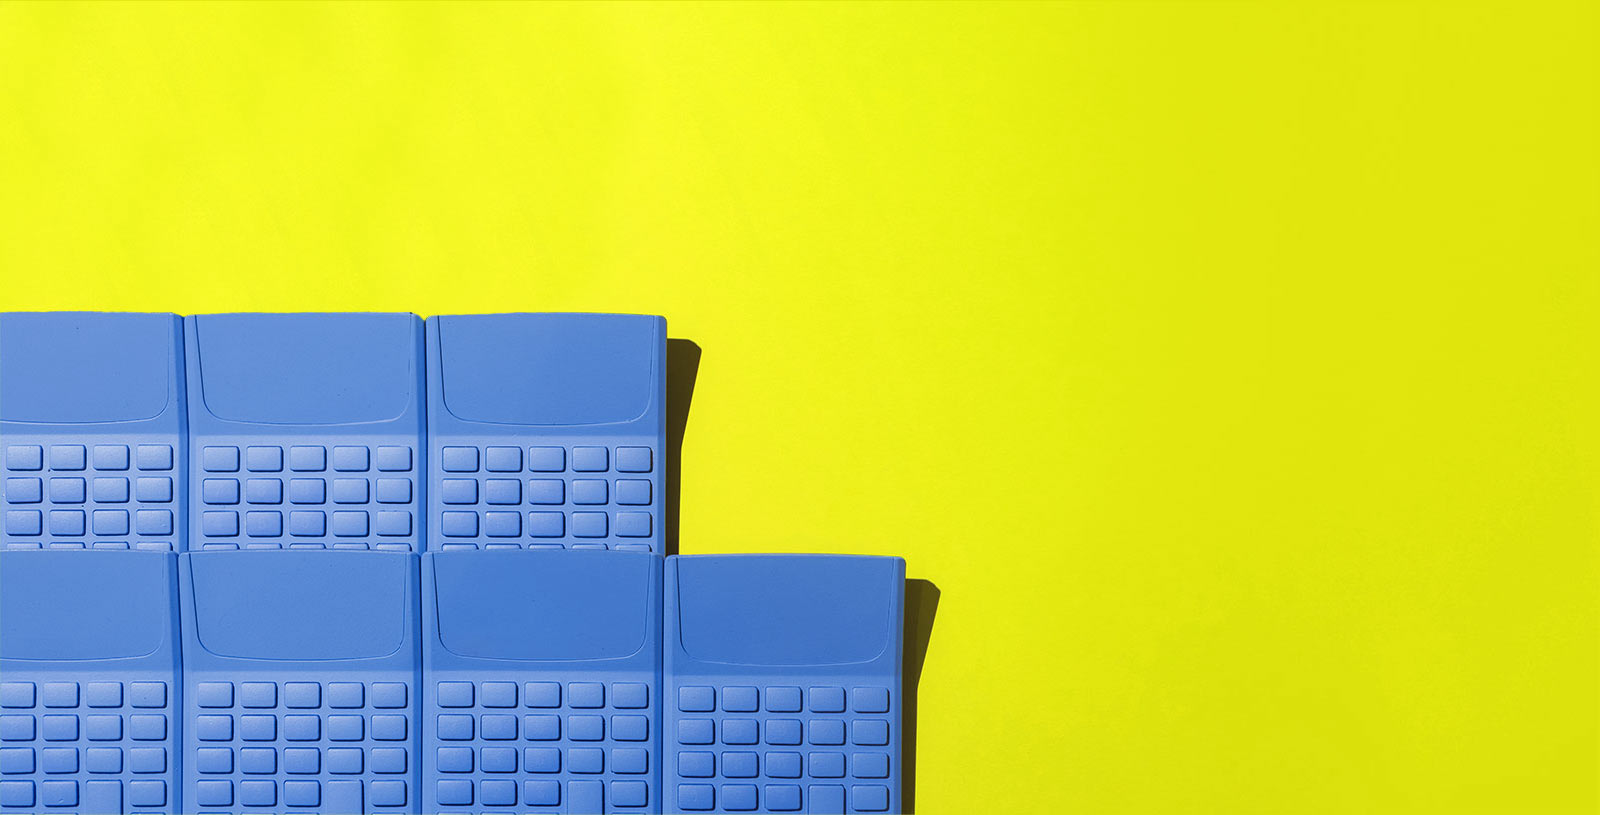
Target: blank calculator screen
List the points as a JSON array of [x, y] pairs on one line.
[[328, 605], [547, 369], [776, 610], [71, 369], [506, 605], [87, 605]]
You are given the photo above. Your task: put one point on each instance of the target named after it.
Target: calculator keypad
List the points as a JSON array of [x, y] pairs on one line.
[[547, 497], [306, 496], [336, 747], [92, 495], [570, 746], [99, 746], [782, 748]]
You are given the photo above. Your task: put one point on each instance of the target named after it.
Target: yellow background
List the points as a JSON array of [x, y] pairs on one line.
[[1230, 368]]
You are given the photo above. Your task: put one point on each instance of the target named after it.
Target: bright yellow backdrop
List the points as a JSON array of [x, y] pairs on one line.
[[1230, 368]]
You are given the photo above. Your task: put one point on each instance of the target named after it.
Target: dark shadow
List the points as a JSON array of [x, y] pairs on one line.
[[683, 365], [922, 602]]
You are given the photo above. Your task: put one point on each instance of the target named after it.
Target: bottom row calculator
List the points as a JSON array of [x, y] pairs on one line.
[[559, 681]]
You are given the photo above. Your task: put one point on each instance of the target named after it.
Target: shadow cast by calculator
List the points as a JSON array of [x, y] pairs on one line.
[[683, 366], [922, 602]]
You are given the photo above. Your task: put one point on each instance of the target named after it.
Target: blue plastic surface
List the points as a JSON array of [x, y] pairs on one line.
[[301, 671], [306, 431], [542, 672], [547, 431], [92, 429], [783, 683], [88, 682]]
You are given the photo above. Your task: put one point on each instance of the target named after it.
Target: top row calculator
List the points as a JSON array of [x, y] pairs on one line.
[[332, 431]]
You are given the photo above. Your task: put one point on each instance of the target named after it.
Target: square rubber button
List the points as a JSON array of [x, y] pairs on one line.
[[459, 460], [308, 458], [307, 491], [112, 457], [541, 459], [263, 491], [630, 694], [589, 524], [502, 491], [25, 457], [503, 459], [590, 459], [455, 694], [393, 459], [783, 699], [541, 694], [697, 699], [589, 491], [458, 491], [263, 459], [546, 491], [107, 490], [153, 457], [31, 490], [220, 459], [459, 524], [541, 793], [347, 459], [633, 459], [68, 457], [696, 797], [633, 492], [308, 523], [633, 524], [545, 524], [541, 760], [393, 490]]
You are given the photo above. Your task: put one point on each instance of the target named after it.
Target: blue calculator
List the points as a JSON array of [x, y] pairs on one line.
[[88, 682], [306, 431], [783, 683], [547, 431], [92, 429], [543, 674], [300, 676]]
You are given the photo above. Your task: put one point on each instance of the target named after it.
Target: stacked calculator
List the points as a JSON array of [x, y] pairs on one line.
[[366, 563]]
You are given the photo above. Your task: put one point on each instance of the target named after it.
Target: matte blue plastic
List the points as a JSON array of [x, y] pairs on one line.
[[300, 676], [783, 683], [306, 431], [542, 681], [88, 682], [92, 428], [547, 431]]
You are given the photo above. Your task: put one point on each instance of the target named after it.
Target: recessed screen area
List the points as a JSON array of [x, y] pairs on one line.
[[569, 605], [303, 605], [786, 610], [307, 368], [76, 367], [548, 369], [83, 605]]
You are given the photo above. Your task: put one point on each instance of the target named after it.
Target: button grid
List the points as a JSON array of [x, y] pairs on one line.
[[103, 746], [547, 497], [92, 495], [543, 746], [338, 747], [740, 748], [305, 496]]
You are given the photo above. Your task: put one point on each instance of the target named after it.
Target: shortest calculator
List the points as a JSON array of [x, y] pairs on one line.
[[783, 683]]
